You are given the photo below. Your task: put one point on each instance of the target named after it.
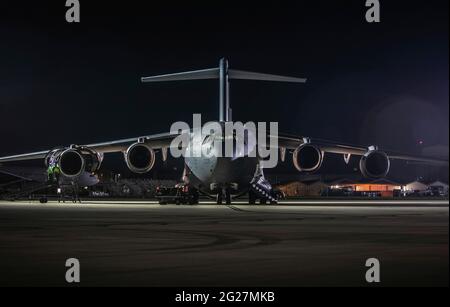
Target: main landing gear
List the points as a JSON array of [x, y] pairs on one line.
[[263, 199], [261, 189]]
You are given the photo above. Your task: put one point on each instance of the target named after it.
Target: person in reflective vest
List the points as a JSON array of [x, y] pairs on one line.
[[53, 173]]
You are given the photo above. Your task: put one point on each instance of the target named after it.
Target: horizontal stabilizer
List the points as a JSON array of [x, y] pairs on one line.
[[224, 75], [248, 75], [212, 73]]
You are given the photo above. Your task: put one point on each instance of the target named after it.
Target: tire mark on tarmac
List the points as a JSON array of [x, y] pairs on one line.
[[221, 241]]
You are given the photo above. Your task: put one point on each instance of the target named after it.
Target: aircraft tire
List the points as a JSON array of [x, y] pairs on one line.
[[43, 200], [219, 198], [251, 198], [228, 197]]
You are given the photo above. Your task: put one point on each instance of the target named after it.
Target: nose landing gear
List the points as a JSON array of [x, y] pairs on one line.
[[223, 194]]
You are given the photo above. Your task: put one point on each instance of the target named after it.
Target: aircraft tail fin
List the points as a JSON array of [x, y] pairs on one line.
[[224, 75]]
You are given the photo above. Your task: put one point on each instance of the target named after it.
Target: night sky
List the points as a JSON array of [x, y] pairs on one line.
[[384, 84]]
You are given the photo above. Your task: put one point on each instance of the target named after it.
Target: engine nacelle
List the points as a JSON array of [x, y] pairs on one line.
[[307, 158], [140, 158], [73, 161], [375, 164]]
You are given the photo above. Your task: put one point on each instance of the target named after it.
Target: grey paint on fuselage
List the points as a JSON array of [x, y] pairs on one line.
[[221, 171], [203, 171]]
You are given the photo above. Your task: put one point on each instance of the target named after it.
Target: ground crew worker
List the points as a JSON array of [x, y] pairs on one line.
[[50, 173], [56, 172], [53, 173], [61, 196]]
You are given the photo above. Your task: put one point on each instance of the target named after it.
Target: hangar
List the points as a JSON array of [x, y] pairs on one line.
[[416, 186], [383, 186], [440, 184]]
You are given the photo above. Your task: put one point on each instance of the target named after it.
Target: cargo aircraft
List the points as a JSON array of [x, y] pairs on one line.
[[224, 178]]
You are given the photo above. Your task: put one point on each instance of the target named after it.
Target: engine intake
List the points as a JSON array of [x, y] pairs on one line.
[[307, 158], [375, 164], [75, 160], [140, 158], [71, 163]]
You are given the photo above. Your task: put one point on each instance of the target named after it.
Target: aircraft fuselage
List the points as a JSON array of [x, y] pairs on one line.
[[212, 171]]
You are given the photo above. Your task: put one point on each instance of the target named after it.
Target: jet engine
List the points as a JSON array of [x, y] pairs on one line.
[[140, 158], [307, 158], [75, 160], [374, 164], [71, 163]]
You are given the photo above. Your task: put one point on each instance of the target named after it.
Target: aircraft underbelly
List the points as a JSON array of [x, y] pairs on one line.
[[222, 171]]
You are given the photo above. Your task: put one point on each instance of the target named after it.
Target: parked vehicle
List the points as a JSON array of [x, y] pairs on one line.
[[178, 194], [437, 191], [339, 192]]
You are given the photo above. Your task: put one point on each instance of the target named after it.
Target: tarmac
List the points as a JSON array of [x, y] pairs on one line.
[[295, 243]]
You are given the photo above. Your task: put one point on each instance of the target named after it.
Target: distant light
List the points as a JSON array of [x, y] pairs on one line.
[[420, 142]]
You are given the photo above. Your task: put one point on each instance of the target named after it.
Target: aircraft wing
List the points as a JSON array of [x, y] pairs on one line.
[[155, 141], [326, 146], [163, 140]]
